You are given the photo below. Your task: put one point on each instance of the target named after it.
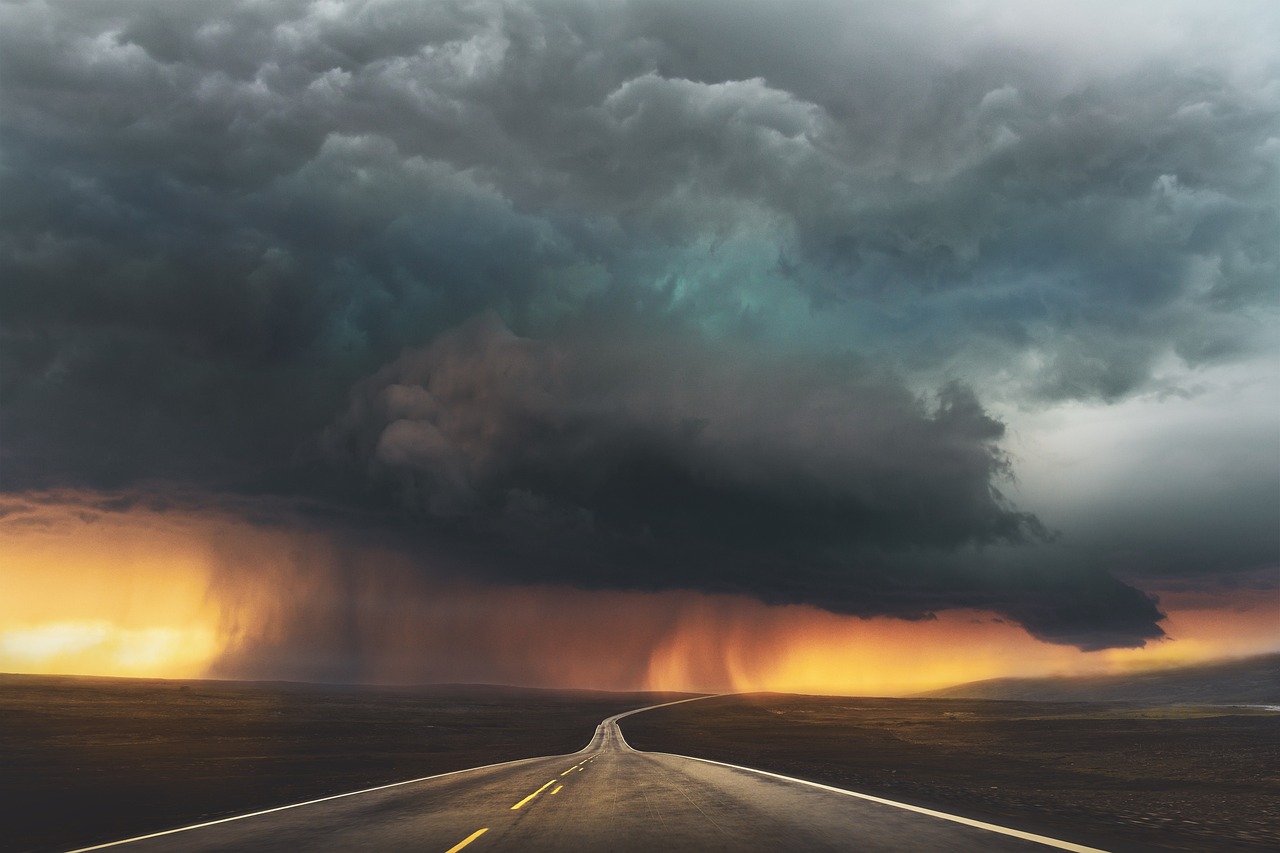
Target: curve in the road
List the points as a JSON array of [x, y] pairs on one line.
[[978, 824], [630, 801]]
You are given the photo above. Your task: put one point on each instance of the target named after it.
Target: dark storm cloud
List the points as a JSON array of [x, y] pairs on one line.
[[651, 464], [669, 440], [216, 217]]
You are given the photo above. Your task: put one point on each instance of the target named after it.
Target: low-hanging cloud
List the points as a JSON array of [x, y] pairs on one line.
[[658, 462], [218, 217], [661, 437]]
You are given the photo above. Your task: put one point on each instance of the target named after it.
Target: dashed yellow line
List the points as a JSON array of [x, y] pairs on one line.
[[464, 842], [534, 794], [557, 789]]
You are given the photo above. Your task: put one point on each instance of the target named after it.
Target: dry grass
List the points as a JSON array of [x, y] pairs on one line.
[[1117, 777], [90, 760]]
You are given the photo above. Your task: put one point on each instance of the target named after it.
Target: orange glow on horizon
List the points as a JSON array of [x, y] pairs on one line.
[[804, 650], [105, 596], [203, 595]]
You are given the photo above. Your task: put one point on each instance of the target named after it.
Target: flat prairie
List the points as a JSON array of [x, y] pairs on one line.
[[89, 760], [1119, 777]]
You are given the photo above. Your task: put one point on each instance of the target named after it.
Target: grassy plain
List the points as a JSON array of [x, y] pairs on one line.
[[88, 760], [1243, 681], [1119, 777]]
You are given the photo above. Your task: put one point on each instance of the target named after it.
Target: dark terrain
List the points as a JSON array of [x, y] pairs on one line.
[[1118, 777], [88, 760], [1249, 681]]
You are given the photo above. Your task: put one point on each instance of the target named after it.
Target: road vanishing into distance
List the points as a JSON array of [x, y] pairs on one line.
[[607, 797]]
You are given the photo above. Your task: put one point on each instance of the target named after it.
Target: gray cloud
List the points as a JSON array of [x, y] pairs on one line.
[[825, 453], [654, 462], [217, 217]]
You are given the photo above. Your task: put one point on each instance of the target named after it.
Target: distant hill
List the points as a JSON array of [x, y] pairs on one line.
[[1247, 681]]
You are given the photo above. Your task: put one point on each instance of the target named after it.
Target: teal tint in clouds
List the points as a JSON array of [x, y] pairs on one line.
[[217, 219]]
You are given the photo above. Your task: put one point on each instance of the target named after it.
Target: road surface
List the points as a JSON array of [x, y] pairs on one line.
[[607, 797]]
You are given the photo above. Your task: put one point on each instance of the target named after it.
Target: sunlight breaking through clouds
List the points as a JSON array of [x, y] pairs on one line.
[[882, 311], [102, 648]]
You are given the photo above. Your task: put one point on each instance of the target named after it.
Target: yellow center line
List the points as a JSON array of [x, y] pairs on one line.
[[534, 794], [570, 770], [557, 789], [464, 842]]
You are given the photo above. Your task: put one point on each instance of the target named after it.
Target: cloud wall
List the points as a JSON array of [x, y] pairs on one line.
[[774, 291]]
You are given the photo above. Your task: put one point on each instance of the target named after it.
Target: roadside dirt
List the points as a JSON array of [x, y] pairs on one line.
[[1119, 777], [86, 760]]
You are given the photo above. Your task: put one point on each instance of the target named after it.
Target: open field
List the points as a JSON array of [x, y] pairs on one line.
[[1118, 777], [1246, 681], [89, 759], [92, 759]]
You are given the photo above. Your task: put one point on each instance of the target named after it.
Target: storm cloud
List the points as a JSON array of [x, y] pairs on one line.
[[763, 273]]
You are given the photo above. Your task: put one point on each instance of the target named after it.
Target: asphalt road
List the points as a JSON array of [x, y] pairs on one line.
[[607, 797]]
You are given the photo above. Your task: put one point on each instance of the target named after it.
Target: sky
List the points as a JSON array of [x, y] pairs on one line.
[[830, 346]]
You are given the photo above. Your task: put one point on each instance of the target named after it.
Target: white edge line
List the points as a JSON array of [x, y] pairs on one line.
[[367, 790], [614, 719], [307, 803], [990, 827]]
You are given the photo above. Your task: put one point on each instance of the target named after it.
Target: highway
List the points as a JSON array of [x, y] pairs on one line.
[[606, 797]]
